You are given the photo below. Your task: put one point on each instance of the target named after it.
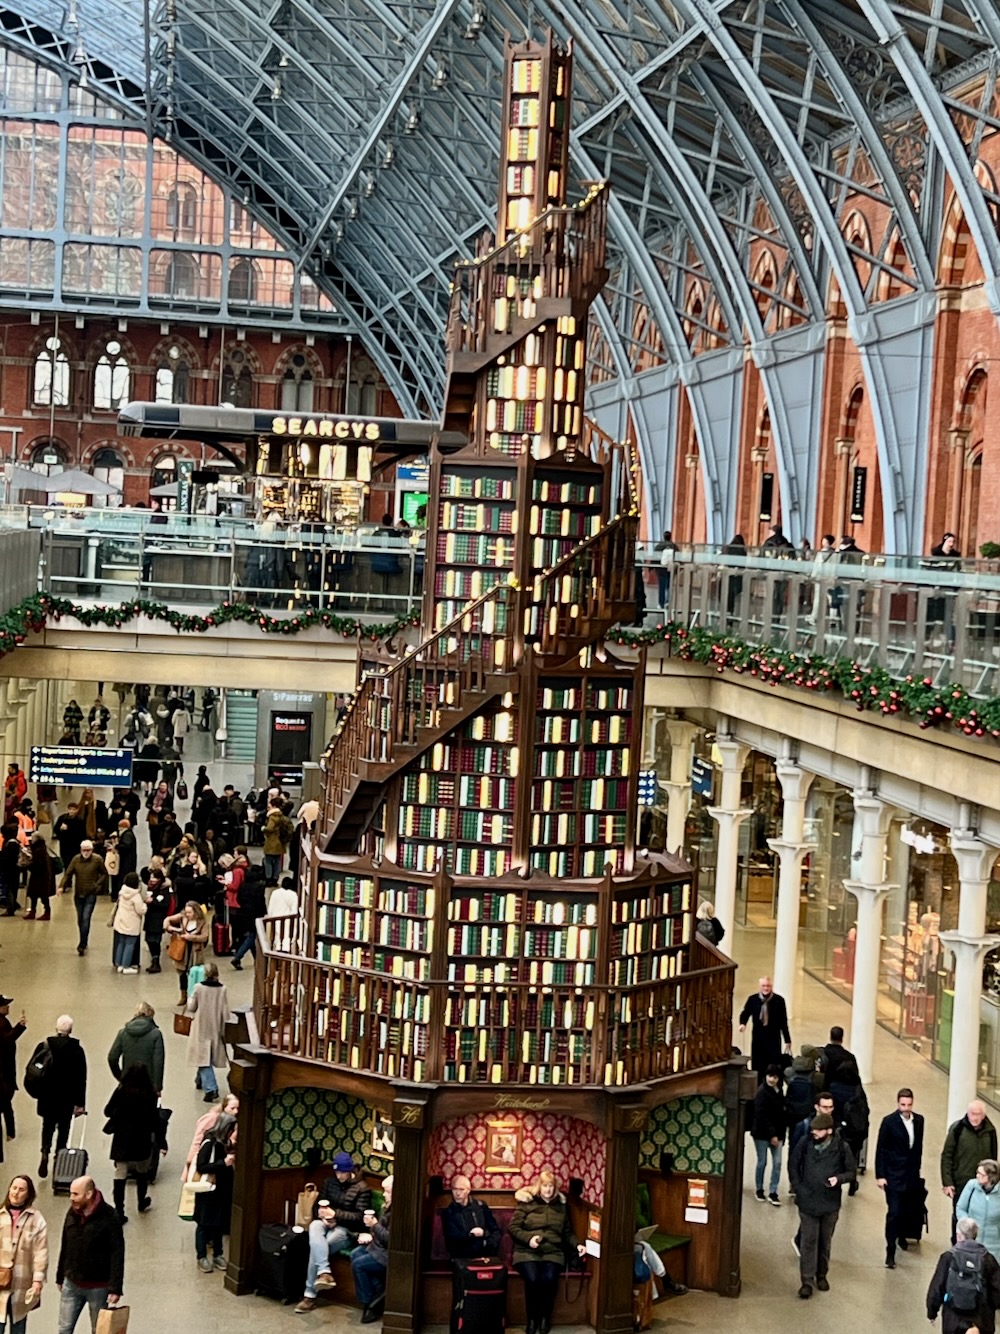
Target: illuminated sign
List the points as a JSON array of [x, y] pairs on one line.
[[333, 430], [66, 766]]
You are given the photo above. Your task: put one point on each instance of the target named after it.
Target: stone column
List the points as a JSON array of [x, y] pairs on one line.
[[729, 815], [872, 818], [791, 847], [681, 735], [969, 943]]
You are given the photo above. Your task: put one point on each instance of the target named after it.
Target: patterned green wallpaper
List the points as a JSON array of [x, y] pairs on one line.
[[693, 1130], [300, 1118]]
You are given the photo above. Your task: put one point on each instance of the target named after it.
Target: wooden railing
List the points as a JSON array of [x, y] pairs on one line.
[[559, 256], [490, 1033], [585, 594], [391, 708]]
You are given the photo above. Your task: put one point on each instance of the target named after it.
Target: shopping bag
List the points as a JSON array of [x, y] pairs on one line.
[[112, 1320], [304, 1204], [182, 1024], [185, 1206]]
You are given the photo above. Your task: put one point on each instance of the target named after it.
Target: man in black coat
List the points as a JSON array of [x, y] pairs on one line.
[[470, 1230], [836, 1054], [91, 1268], [9, 1034], [64, 1093], [967, 1254], [898, 1156], [769, 1014], [820, 1165]]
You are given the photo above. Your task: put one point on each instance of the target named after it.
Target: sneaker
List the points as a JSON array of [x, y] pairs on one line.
[[306, 1304], [325, 1281], [760, 1197], [205, 1265], [219, 1262], [795, 1248], [805, 1292], [119, 970], [130, 971], [823, 1284], [773, 1199]]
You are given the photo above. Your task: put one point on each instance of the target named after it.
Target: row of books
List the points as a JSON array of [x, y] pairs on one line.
[[475, 549], [659, 902], [607, 763], [566, 493], [641, 936], [479, 486], [465, 584], [613, 730], [616, 697], [592, 794], [562, 522], [510, 414], [461, 516], [588, 864], [569, 942], [628, 972], [569, 827], [479, 791]]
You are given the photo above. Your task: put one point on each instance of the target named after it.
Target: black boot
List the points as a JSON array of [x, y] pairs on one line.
[[154, 967], [142, 1192], [118, 1189]]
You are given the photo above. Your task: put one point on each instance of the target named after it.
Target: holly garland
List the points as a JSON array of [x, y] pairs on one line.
[[869, 688], [41, 609]]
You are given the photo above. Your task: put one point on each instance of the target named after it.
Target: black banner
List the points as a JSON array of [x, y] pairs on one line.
[[859, 493]]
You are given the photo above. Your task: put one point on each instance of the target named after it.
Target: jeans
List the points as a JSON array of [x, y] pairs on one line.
[[764, 1147], [323, 1242], [209, 1083], [663, 579], [205, 1237], [16, 1326], [58, 1123], [74, 1299], [656, 1265], [815, 1238], [126, 951], [85, 906], [272, 867], [369, 1275], [248, 945]]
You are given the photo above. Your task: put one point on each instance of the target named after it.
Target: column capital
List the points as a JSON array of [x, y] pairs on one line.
[[974, 856], [734, 756], [681, 732], [861, 889], [795, 781], [736, 818], [976, 946], [874, 813], [786, 847]]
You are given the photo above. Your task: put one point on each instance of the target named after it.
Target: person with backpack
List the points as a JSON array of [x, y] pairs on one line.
[[768, 1131], [800, 1091], [278, 830], [980, 1201], [850, 1109], [820, 1166], [968, 1141], [966, 1285], [56, 1077], [252, 906]]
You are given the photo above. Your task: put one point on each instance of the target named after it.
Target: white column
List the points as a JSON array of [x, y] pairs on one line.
[[969, 943], [791, 847], [729, 815], [872, 818], [681, 735]]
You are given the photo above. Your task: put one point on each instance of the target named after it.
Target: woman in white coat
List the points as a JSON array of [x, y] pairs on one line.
[[181, 726], [127, 922], [209, 1005]]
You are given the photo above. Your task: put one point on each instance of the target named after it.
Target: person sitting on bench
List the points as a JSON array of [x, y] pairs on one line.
[[339, 1211], [470, 1230], [543, 1237], [370, 1260]]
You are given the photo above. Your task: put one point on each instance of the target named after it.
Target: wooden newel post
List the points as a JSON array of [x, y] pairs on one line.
[[402, 1293], [740, 1085], [621, 1174], [250, 1080]]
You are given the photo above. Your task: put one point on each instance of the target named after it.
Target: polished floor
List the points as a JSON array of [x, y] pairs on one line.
[[39, 967]]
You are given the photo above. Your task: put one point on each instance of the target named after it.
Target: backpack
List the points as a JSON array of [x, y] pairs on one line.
[[964, 1284], [39, 1068], [799, 1098], [856, 1115]]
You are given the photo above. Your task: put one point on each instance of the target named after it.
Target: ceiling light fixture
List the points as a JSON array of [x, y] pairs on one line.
[[440, 77], [276, 91], [476, 23], [389, 156], [370, 187], [413, 122], [283, 62]]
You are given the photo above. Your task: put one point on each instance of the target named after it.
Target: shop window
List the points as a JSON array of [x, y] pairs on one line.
[[172, 378], [182, 276], [164, 473], [51, 383], [49, 456], [237, 381], [297, 386], [182, 208], [112, 378], [243, 282]]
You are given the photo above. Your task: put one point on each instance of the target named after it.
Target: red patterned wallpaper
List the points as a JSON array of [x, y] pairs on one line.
[[571, 1148]]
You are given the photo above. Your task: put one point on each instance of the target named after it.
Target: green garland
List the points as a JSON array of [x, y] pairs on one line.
[[37, 611], [868, 688]]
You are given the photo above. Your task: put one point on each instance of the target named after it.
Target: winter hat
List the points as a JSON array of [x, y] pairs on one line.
[[343, 1162], [821, 1121]]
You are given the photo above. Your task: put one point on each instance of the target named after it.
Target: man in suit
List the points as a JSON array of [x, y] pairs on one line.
[[898, 1154], [770, 1024]]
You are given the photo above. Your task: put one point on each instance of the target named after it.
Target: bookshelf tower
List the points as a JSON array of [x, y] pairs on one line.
[[479, 930]]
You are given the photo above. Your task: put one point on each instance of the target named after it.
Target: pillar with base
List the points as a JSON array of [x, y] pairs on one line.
[[872, 817], [250, 1080], [626, 1121], [791, 848], [729, 815], [402, 1290], [969, 943], [681, 735]]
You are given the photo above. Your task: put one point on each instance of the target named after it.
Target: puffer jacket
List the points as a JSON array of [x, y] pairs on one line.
[[349, 1198], [983, 1206], [130, 911], [534, 1217]]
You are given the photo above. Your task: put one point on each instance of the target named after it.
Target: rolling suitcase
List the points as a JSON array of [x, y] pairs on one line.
[[222, 936], [480, 1297], [282, 1261], [70, 1163]]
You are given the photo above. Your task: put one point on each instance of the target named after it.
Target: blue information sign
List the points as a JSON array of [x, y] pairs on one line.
[[69, 766], [647, 787], [702, 776]]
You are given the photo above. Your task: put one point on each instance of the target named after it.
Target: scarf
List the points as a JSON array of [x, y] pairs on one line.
[[764, 1000]]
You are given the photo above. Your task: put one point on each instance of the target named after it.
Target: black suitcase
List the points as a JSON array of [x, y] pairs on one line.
[[70, 1163], [282, 1261], [480, 1297]]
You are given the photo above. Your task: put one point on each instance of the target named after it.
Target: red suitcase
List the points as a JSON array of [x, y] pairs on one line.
[[222, 936]]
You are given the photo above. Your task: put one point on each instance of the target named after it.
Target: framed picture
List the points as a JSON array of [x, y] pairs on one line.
[[503, 1146], [383, 1136]]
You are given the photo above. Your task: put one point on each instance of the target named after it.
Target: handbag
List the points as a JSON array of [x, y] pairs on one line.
[[307, 1198], [185, 1205], [182, 1024], [177, 949], [182, 791], [112, 861], [6, 1277], [153, 819], [112, 1320]]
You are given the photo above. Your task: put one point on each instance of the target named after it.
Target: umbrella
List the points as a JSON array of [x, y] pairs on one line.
[[25, 479], [79, 482], [166, 491]]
